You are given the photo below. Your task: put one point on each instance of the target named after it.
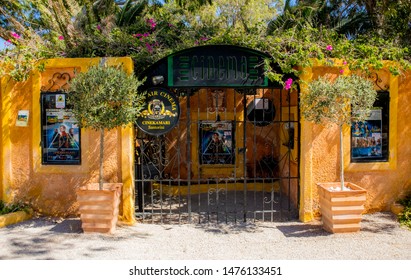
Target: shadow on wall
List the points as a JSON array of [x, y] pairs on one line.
[[54, 194]]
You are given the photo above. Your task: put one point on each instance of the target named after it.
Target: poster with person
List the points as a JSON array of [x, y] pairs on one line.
[[216, 143], [60, 133]]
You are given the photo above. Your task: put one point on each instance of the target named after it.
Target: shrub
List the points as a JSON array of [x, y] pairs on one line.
[[12, 207], [405, 217]]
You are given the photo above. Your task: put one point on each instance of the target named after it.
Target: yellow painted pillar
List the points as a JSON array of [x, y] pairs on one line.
[[306, 164], [127, 215], [5, 163], [127, 212]]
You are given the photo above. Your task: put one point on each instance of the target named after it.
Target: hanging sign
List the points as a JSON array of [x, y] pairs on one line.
[[161, 112]]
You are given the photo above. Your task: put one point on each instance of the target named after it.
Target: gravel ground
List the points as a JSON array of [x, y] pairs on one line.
[[381, 238]]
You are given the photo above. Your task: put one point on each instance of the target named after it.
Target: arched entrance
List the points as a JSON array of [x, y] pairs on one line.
[[233, 153]]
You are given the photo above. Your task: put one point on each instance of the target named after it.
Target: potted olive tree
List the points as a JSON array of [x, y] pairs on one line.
[[339, 102], [103, 98]]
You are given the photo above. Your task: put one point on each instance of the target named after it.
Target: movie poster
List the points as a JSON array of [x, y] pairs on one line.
[[216, 143], [366, 137], [61, 134]]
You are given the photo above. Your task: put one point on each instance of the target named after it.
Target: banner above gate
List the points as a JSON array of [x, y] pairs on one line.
[[218, 66], [211, 66]]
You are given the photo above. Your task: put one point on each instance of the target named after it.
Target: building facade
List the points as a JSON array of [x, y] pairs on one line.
[[217, 141]]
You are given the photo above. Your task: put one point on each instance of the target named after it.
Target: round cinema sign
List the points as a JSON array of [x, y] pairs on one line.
[[160, 113]]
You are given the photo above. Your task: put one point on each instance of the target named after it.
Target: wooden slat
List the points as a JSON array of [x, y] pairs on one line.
[[341, 210]]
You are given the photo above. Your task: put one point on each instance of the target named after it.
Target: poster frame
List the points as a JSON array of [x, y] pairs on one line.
[[226, 133], [60, 133]]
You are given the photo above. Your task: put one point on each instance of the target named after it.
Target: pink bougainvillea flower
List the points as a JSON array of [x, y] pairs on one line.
[[342, 71], [152, 23], [137, 35], [288, 84], [61, 37], [149, 47], [15, 35], [98, 27], [345, 62], [329, 48], [146, 34]]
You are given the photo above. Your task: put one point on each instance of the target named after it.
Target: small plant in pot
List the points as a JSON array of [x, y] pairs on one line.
[[339, 102], [103, 98]]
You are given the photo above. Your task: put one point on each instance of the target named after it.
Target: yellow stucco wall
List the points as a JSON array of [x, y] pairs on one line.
[[385, 182], [51, 189]]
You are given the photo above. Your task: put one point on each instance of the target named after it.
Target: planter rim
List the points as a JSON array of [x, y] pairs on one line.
[[106, 187], [354, 187]]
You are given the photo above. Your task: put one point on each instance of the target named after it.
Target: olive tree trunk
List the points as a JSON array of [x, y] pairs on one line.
[[101, 158], [341, 158]]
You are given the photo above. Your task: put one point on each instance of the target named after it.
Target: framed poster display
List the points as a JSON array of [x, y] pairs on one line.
[[216, 142], [60, 132], [366, 137]]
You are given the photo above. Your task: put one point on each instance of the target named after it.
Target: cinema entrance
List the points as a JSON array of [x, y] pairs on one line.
[[217, 141]]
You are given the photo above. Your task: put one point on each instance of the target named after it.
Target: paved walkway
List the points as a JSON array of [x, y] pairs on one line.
[[381, 238]]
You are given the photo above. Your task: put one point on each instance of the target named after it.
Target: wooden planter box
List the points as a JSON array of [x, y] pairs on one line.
[[341, 210], [99, 208]]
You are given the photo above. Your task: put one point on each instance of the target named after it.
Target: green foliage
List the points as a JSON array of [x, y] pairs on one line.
[[105, 98], [341, 101], [12, 207], [405, 217], [148, 30], [20, 60]]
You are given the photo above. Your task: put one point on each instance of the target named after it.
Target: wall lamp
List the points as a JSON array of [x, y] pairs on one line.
[[157, 80]]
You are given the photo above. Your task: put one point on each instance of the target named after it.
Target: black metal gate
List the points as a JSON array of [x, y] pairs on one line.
[[233, 157]]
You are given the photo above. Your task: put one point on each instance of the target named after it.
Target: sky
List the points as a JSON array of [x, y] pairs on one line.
[[2, 44]]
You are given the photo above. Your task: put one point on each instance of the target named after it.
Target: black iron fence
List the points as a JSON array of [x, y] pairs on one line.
[[233, 157]]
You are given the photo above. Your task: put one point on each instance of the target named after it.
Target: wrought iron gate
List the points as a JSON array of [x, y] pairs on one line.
[[232, 157]]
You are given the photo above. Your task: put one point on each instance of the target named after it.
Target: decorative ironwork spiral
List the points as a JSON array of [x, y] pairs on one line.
[[217, 192], [272, 198], [378, 81]]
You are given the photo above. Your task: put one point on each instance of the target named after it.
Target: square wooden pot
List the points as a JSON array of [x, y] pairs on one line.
[[99, 208], [341, 210]]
